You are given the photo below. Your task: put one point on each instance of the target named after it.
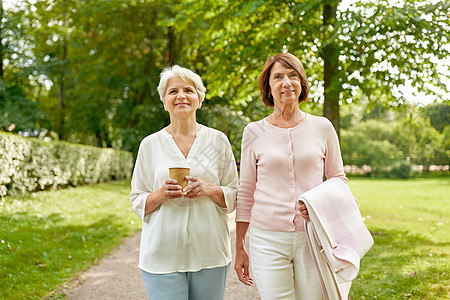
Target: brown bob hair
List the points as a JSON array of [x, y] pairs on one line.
[[287, 60]]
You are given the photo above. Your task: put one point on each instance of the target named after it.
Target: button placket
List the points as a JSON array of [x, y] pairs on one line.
[[291, 167]]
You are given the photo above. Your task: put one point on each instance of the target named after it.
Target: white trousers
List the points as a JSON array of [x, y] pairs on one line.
[[282, 265]]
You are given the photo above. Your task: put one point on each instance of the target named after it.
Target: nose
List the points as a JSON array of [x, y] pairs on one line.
[[181, 94], [286, 81]]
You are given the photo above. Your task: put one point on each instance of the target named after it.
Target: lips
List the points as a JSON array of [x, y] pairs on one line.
[[288, 92], [182, 104]]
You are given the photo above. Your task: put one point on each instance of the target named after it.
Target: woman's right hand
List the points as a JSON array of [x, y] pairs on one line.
[[241, 266], [170, 190]]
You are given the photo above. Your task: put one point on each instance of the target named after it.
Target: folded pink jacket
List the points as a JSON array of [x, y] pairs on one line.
[[337, 235]]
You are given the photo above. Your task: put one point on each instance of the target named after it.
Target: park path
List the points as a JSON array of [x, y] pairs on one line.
[[118, 277]]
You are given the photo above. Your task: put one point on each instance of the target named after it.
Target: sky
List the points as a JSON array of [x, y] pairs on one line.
[[410, 93]]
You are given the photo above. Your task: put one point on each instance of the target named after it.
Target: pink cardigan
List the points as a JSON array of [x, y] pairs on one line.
[[279, 164]]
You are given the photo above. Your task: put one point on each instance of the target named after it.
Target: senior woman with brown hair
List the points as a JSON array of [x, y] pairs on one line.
[[282, 156], [185, 242]]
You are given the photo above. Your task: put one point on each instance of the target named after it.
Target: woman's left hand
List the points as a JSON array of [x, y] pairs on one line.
[[304, 212], [197, 188]]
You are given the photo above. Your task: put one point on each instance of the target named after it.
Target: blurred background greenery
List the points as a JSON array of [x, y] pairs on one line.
[[86, 71]]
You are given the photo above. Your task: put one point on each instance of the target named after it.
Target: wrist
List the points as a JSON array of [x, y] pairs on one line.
[[240, 248], [211, 190], [215, 193]]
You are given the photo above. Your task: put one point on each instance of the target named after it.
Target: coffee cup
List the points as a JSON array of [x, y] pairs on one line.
[[179, 171]]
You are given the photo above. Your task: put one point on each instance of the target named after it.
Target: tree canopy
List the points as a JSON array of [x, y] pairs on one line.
[[87, 71]]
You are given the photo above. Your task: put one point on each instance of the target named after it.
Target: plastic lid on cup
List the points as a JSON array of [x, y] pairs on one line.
[[180, 165]]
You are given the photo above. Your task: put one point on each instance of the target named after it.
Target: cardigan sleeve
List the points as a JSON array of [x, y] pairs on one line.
[[245, 198], [334, 167]]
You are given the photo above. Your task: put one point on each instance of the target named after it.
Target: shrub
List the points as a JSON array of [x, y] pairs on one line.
[[401, 169], [359, 150], [30, 164]]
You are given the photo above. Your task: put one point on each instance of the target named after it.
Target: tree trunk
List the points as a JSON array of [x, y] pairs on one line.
[[172, 49], [330, 55]]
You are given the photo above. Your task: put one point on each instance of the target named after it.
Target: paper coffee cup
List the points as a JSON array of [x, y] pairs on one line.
[[178, 171]]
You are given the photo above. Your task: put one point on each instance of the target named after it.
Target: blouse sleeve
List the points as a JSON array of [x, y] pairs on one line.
[[334, 167], [228, 177], [245, 199], [139, 186]]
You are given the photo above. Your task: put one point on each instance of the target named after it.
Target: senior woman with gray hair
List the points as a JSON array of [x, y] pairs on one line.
[[185, 242]]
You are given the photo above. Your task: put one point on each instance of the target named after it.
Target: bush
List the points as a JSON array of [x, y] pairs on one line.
[[30, 164], [401, 169], [359, 150]]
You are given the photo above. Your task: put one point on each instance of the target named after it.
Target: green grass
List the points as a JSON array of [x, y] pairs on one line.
[[47, 238], [410, 223]]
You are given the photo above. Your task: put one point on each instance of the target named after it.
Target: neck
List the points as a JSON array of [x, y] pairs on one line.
[[287, 113], [184, 127]]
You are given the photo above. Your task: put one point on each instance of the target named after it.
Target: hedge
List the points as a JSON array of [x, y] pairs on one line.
[[31, 164]]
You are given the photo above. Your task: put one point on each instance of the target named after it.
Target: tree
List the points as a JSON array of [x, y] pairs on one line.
[[93, 66], [17, 111], [102, 60], [439, 114], [372, 47]]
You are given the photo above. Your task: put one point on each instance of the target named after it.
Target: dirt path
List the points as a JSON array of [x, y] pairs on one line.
[[118, 277]]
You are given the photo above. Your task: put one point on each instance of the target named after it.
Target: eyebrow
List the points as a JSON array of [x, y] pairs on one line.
[[279, 73], [184, 88]]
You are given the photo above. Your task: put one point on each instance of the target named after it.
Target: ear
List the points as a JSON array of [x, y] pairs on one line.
[[164, 105]]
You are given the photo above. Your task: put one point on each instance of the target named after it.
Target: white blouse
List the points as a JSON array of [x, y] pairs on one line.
[[184, 235]]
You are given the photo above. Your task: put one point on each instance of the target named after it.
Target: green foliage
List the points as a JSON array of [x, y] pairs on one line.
[[372, 47], [446, 137], [16, 111], [30, 164], [96, 87], [92, 67], [230, 122], [439, 114], [391, 44], [401, 135], [401, 169], [48, 238], [369, 144]]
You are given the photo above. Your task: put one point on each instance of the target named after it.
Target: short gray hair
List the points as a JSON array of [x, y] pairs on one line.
[[183, 73]]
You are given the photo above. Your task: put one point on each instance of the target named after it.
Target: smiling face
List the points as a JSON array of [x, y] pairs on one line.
[[285, 84], [181, 97]]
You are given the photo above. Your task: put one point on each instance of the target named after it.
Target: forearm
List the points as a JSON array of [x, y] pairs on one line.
[[216, 194], [241, 232], [152, 202]]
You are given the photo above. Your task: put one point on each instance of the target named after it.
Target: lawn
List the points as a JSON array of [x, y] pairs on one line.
[[410, 223], [47, 238]]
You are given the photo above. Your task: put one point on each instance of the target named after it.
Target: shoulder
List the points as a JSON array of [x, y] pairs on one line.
[[255, 126], [319, 119], [320, 122], [214, 134], [153, 138]]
